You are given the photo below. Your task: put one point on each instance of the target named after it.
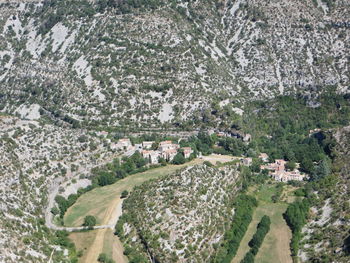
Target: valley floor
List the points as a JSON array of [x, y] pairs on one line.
[[275, 247], [103, 203]]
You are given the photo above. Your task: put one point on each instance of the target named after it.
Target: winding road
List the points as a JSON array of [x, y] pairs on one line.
[[114, 211], [61, 182], [109, 222], [53, 191]]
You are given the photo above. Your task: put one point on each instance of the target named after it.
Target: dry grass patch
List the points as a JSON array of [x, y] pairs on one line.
[[83, 241]]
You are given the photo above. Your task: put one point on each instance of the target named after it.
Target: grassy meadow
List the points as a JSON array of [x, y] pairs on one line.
[[275, 247]]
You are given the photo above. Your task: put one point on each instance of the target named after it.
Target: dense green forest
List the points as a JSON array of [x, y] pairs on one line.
[[295, 115], [282, 129]]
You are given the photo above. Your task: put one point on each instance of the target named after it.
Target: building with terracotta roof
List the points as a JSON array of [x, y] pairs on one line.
[[187, 151], [264, 157], [147, 144], [167, 145], [152, 156], [169, 154], [278, 171]]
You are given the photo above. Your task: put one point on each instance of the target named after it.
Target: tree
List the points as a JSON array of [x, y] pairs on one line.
[[296, 217], [307, 166], [89, 221], [255, 167], [258, 237], [124, 194], [162, 161], [62, 204], [105, 178], [248, 258], [55, 211], [129, 166], [179, 159], [291, 165], [138, 160], [322, 170], [120, 173]]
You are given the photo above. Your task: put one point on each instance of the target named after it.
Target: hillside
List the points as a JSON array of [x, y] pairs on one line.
[[151, 62], [180, 217], [70, 69], [35, 159], [327, 234]]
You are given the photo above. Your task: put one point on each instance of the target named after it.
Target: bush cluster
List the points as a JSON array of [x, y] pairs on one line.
[[257, 240], [296, 216]]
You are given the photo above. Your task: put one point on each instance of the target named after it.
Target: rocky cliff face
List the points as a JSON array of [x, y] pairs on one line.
[[153, 62]]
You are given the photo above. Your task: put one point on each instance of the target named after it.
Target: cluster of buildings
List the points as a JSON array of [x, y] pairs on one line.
[[246, 137], [166, 149], [278, 171]]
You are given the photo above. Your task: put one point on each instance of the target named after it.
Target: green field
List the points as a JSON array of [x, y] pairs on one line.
[[275, 247], [97, 201]]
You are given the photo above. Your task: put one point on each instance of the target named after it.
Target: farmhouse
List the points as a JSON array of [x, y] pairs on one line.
[[264, 157], [168, 145], [169, 154], [187, 151], [152, 156], [124, 143], [165, 143], [147, 144], [277, 170]]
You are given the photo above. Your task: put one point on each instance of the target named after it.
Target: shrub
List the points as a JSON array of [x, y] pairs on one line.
[[124, 194], [207, 163]]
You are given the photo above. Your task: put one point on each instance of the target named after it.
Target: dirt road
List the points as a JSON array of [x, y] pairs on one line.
[[112, 215]]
